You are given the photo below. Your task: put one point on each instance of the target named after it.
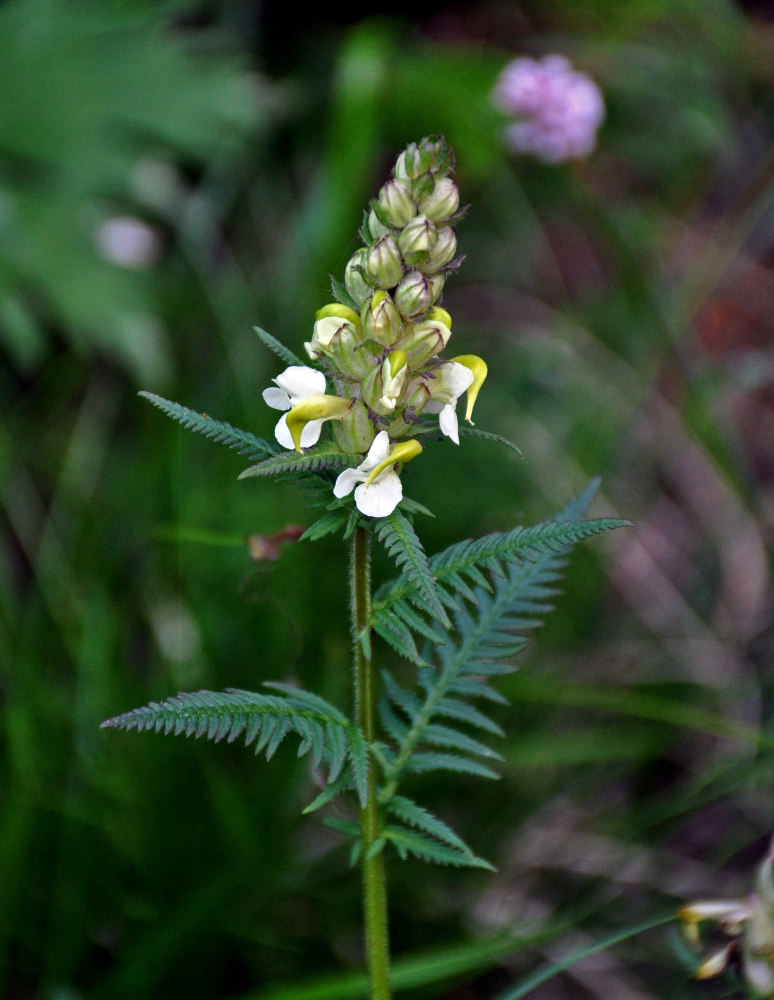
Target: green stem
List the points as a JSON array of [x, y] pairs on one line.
[[374, 881]]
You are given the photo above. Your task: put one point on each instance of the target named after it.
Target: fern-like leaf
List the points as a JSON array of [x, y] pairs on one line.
[[400, 540], [416, 816], [331, 522], [282, 352], [508, 584], [217, 430], [474, 432], [468, 567], [264, 721], [423, 763], [407, 841], [325, 456]]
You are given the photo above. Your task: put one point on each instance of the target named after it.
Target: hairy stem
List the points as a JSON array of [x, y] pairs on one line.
[[374, 881]]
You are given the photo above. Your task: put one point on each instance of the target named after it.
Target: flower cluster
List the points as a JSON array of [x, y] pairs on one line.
[[559, 109], [748, 925], [379, 346]]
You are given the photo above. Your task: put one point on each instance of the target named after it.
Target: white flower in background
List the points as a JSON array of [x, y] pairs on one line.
[[128, 242], [451, 380], [748, 923], [292, 387], [559, 109], [378, 489]]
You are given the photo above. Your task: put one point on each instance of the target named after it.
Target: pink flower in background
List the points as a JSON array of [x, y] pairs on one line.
[[559, 109]]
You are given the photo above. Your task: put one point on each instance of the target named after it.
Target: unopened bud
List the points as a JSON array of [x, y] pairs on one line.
[[442, 201], [429, 154], [384, 262], [335, 323], [442, 252], [417, 292], [421, 341], [353, 358], [415, 397], [354, 432], [381, 320], [355, 280], [418, 236], [396, 202], [376, 227]]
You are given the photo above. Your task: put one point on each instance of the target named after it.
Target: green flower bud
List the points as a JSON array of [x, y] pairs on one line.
[[417, 292], [351, 356], [429, 154], [442, 252], [422, 341], [384, 262], [354, 432], [376, 227], [355, 280], [442, 201], [396, 202], [381, 319], [336, 326], [418, 236]]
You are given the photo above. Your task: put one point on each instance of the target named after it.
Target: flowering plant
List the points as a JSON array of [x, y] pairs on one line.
[[376, 376]]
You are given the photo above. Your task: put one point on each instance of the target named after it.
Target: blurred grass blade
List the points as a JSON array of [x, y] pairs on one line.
[[634, 703], [423, 969], [543, 975]]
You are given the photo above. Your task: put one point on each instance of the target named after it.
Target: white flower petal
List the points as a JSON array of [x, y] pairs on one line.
[[381, 497], [310, 435], [299, 382], [276, 398], [379, 450], [346, 482], [282, 434], [448, 422], [452, 379]]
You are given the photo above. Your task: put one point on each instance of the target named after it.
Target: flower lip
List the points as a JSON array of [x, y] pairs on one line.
[[314, 409], [479, 369], [402, 452]]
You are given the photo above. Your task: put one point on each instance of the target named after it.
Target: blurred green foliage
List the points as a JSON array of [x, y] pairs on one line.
[[624, 305]]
